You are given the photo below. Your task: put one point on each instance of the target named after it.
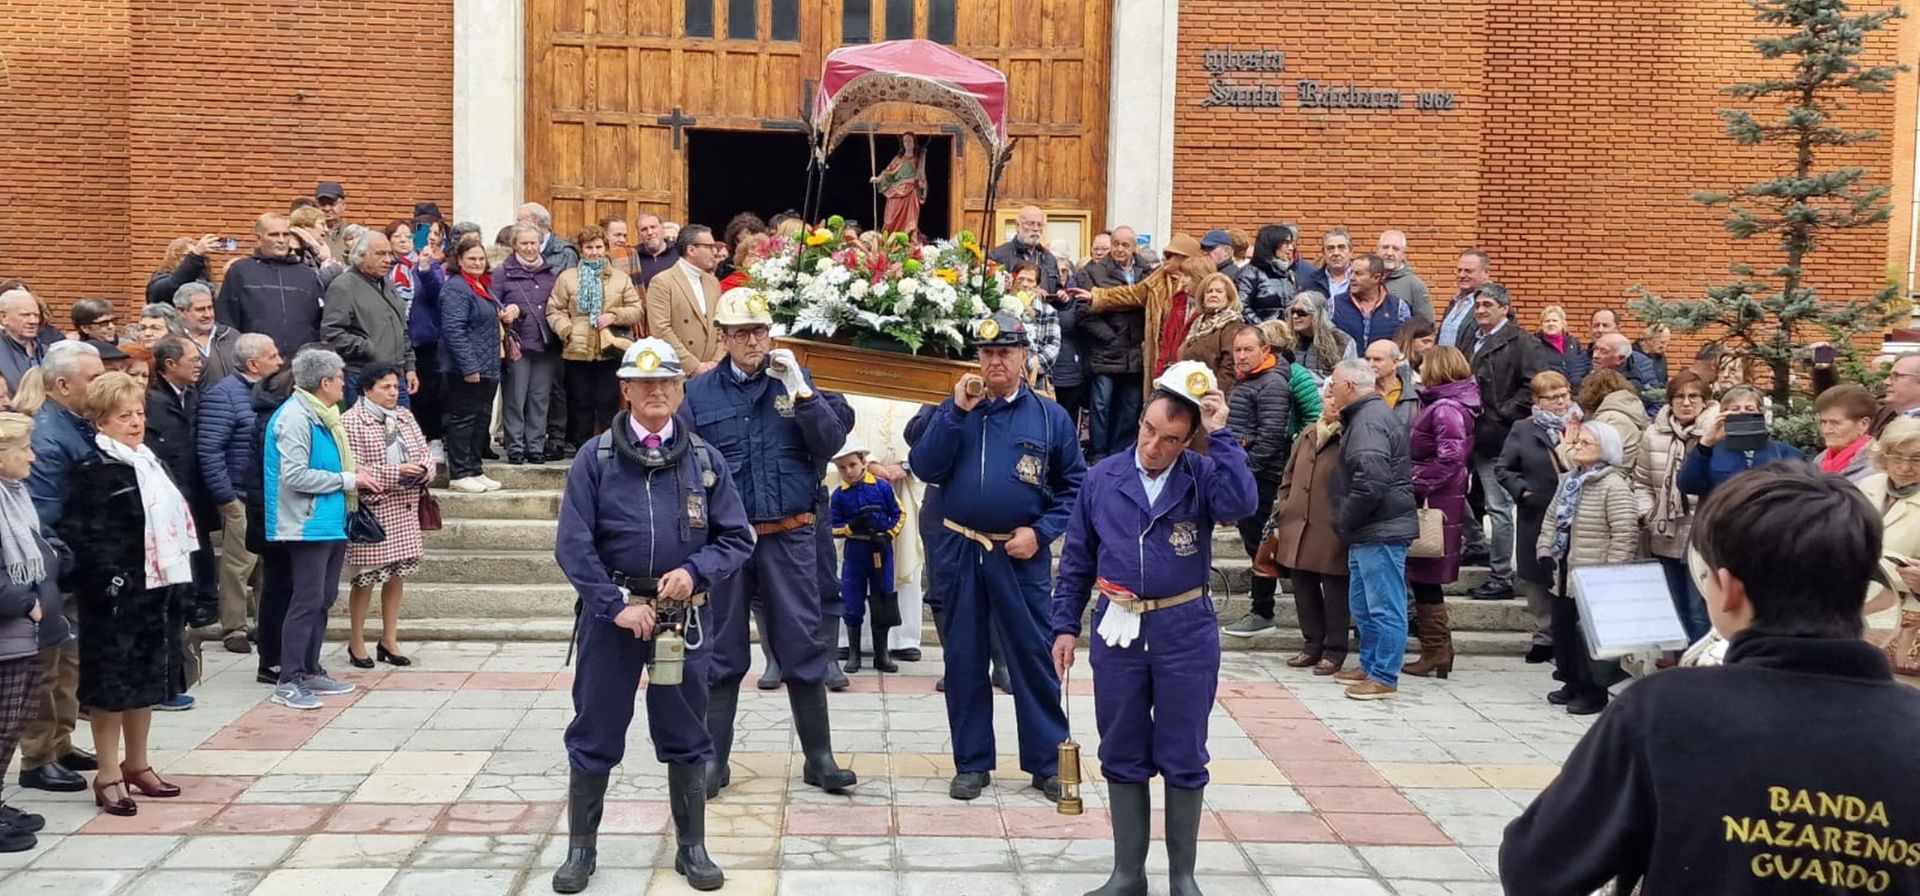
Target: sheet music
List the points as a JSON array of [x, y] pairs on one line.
[[1626, 608]]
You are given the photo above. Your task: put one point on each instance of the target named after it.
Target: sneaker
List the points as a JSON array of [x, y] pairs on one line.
[[1248, 626], [1492, 591], [1371, 690], [175, 703], [493, 485], [322, 686], [292, 696], [269, 675], [471, 485]]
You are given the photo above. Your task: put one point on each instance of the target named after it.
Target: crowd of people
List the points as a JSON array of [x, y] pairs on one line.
[[295, 412]]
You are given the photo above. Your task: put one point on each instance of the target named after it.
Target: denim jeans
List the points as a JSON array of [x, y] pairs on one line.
[[1378, 601], [1115, 416], [1500, 508], [1687, 599]]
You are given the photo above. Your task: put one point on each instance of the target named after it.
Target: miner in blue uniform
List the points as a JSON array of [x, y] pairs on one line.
[[1141, 534], [761, 410], [649, 524], [1008, 463], [866, 513]]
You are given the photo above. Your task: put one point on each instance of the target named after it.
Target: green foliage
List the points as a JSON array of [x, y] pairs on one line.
[[1767, 315], [1795, 424]]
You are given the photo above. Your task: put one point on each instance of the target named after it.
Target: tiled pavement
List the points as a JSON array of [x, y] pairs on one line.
[[449, 778]]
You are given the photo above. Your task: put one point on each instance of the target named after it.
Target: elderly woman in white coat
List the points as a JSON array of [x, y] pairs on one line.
[[1593, 520], [1895, 492]]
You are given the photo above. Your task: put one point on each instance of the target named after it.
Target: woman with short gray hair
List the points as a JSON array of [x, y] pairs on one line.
[[524, 282], [311, 487]]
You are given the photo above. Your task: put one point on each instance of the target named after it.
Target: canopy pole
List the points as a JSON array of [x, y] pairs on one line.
[[873, 168]]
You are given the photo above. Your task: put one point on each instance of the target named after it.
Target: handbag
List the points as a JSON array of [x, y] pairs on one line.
[[1432, 540], [430, 520], [1904, 650], [1266, 556], [363, 527]]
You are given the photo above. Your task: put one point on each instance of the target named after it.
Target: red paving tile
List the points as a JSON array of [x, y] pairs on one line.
[[980, 820], [1330, 774], [500, 818], [381, 818], [1305, 749], [839, 821], [507, 681], [424, 681], [1243, 708], [1372, 800], [630, 817], [1036, 823], [1271, 690], [1211, 827], [562, 681], [270, 727], [209, 788], [267, 818], [1276, 827], [1306, 727], [910, 684], [1387, 830], [156, 817]]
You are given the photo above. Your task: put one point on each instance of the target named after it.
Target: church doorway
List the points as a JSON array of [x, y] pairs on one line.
[[765, 172]]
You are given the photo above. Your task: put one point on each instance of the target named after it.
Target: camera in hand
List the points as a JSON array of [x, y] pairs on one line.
[[1746, 432]]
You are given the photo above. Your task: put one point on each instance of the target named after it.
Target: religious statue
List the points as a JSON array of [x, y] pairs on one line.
[[904, 183]]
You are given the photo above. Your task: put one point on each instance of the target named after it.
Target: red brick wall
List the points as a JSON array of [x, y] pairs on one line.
[[147, 120], [1580, 129]]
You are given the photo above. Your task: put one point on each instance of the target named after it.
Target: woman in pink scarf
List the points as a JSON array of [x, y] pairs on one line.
[[1846, 414]]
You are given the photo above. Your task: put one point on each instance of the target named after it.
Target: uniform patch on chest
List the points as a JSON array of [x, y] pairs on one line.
[[697, 511], [1029, 468], [783, 404], [1185, 539]]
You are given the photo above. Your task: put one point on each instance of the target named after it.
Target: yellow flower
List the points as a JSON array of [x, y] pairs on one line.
[[819, 237], [948, 274]]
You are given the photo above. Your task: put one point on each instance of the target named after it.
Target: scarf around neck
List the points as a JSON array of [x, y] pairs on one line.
[[592, 291], [1554, 424], [21, 527], [1836, 462], [1672, 507], [1210, 321], [329, 417], [1569, 504], [1259, 368], [170, 535]]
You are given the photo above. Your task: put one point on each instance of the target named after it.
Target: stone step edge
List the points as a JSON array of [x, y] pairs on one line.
[[1465, 643]]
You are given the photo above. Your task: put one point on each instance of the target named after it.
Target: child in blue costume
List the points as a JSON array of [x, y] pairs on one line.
[[866, 513]]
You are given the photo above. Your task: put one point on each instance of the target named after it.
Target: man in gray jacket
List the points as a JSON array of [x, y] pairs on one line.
[[1374, 514], [364, 319]]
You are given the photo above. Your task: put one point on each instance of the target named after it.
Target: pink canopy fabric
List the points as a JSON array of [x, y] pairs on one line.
[[857, 78]]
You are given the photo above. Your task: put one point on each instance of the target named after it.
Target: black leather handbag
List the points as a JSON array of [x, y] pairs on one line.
[[363, 527]]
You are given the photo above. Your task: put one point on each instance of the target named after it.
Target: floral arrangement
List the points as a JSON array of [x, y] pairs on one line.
[[830, 282]]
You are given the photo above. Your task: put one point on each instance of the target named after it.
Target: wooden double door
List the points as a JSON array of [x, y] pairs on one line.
[[622, 93]]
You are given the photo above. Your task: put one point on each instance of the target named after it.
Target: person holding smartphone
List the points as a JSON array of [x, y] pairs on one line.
[[1736, 442]]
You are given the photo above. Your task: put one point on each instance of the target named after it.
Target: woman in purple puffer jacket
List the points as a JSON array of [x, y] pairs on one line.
[[1442, 441], [524, 282]]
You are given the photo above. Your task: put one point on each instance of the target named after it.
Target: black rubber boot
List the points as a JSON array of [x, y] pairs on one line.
[[881, 661], [586, 800], [830, 636], [686, 798], [770, 678], [1131, 809], [853, 651], [809, 705], [722, 700], [1183, 840]]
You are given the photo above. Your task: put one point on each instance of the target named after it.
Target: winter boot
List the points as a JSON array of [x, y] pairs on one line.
[[1131, 809], [836, 680], [881, 661], [1436, 642], [586, 800], [687, 801], [809, 705]]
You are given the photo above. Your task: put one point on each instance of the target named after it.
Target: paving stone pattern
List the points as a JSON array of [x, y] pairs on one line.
[[449, 778]]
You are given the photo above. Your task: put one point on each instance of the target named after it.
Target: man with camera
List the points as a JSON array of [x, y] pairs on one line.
[[273, 291], [762, 411], [649, 523]]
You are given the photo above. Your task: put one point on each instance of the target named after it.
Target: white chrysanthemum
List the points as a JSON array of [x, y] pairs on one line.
[[907, 286], [1011, 305], [859, 288]]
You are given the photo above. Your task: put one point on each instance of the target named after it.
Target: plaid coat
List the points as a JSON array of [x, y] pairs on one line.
[[397, 508]]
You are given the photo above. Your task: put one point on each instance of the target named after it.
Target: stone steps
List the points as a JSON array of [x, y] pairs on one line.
[[427, 628]]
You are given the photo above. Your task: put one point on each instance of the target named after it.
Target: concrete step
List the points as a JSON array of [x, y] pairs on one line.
[[491, 535], [493, 567], [425, 628], [551, 476], [506, 504]]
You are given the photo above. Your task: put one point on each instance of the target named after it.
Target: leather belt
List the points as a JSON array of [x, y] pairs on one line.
[[694, 601], [775, 527], [984, 539], [1162, 603]]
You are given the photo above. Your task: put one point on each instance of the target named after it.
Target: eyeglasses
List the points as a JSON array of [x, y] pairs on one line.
[[1689, 399], [706, 245], [1905, 460], [1298, 313]]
